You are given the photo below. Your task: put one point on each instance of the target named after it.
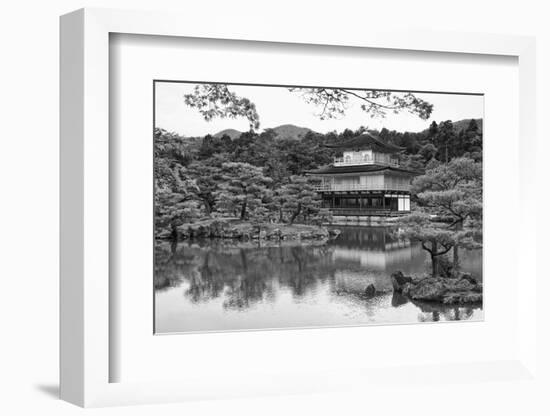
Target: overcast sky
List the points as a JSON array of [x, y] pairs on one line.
[[277, 105]]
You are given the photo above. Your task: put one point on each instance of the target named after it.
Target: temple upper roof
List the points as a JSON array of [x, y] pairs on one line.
[[366, 141]]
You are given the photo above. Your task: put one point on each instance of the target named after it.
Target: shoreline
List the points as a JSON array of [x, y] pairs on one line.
[[365, 220], [232, 228]]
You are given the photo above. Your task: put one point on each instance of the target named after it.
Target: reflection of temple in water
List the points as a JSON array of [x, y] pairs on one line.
[[393, 253], [370, 255], [374, 248]]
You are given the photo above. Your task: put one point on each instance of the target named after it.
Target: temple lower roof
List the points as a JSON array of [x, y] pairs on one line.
[[330, 170]]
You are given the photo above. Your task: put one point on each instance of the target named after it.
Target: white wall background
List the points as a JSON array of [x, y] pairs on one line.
[[29, 206]]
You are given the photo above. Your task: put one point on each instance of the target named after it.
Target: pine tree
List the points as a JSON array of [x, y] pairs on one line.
[[432, 132], [207, 178], [301, 199], [452, 190], [176, 199], [444, 140], [436, 240], [242, 188]]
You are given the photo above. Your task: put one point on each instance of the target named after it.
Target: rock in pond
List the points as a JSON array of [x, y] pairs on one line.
[[333, 233], [370, 291], [427, 289], [461, 290], [398, 281]]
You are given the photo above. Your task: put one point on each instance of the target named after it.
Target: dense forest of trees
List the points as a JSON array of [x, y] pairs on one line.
[[261, 177]]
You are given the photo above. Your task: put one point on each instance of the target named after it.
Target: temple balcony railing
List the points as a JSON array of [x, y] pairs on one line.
[[332, 187], [356, 161], [358, 212]]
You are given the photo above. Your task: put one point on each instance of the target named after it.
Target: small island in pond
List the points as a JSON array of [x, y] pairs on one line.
[[370, 218], [235, 228]]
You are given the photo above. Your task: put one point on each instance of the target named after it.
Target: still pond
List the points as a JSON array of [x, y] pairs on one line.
[[219, 285]]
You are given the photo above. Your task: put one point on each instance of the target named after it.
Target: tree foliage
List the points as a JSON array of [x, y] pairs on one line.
[[299, 198], [242, 189], [206, 178], [333, 102], [447, 190], [191, 177], [176, 200], [452, 189], [435, 239], [216, 100]]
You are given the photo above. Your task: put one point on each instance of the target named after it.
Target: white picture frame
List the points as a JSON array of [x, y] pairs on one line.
[[85, 355]]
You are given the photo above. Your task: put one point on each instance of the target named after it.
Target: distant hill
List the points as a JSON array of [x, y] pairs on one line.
[[232, 133], [290, 131], [463, 124], [285, 131]]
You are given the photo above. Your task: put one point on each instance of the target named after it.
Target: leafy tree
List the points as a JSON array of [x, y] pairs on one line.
[[207, 178], [170, 146], [173, 209], [176, 200], [408, 141], [300, 198], [432, 131], [414, 162], [280, 199], [473, 129], [242, 188], [428, 152], [472, 142], [469, 238], [444, 139], [436, 240], [276, 169], [214, 145], [452, 190]]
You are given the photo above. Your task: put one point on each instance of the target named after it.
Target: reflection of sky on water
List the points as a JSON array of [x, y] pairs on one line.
[[204, 286]]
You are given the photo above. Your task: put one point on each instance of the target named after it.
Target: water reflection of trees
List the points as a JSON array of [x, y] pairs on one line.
[[242, 276], [434, 312], [171, 266]]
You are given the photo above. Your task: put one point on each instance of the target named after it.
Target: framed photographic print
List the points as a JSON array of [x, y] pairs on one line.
[[291, 198], [310, 224]]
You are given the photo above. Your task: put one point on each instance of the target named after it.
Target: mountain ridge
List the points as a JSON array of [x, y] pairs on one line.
[[291, 131], [284, 131]]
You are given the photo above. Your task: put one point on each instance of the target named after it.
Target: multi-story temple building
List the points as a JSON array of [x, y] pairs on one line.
[[366, 180]]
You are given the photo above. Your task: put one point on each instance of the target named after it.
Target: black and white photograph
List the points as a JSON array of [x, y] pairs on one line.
[[286, 208], [295, 207]]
